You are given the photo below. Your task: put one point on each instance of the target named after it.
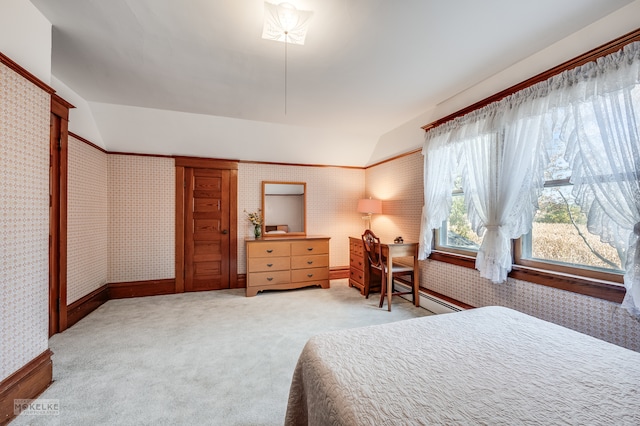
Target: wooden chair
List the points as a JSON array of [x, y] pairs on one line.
[[373, 249]]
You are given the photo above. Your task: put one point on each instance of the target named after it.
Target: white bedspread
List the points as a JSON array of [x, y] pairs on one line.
[[491, 366]]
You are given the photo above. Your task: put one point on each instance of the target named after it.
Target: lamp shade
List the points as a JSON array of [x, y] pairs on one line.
[[367, 205]]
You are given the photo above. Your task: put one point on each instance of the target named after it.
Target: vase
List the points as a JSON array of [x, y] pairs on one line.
[[257, 231]]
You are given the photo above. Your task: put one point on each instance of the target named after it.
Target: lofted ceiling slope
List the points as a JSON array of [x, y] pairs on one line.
[[196, 78]]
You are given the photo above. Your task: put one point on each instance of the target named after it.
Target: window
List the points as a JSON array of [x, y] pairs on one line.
[[455, 234], [559, 239], [580, 122]]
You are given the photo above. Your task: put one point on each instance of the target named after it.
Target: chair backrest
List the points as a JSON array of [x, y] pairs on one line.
[[371, 245]]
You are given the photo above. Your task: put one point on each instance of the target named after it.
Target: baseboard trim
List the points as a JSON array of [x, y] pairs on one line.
[[339, 272], [123, 290], [242, 281], [26, 383], [87, 304]]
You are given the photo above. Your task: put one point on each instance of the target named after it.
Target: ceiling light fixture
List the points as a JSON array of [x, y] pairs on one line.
[[285, 23]]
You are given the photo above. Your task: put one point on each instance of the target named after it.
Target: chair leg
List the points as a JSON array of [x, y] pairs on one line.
[[383, 289], [414, 286]]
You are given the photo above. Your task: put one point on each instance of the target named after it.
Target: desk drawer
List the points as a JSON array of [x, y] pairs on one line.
[[312, 274], [312, 261], [268, 249], [300, 248], [263, 264], [356, 275], [355, 247], [356, 262], [268, 278]]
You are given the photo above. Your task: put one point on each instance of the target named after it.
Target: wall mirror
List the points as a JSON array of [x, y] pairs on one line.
[[284, 209]]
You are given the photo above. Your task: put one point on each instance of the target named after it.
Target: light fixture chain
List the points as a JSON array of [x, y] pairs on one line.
[[286, 37]]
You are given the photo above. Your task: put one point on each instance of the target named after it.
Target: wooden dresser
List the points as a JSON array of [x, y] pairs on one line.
[[286, 263]]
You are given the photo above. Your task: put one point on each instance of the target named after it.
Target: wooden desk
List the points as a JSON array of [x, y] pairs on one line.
[[359, 264], [402, 250]]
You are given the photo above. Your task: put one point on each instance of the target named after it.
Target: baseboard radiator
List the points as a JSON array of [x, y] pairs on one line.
[[430, 302]]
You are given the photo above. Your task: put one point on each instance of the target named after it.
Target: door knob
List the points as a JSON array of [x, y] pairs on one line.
[[225, 232]]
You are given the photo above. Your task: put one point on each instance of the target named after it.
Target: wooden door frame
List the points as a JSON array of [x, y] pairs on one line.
[[58, 171], [206, 163]]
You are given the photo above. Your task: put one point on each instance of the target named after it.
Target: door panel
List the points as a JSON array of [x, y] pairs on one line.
[[206, 229]]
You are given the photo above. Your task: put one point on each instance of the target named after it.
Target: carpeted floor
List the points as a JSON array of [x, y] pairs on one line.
[[207, 358]]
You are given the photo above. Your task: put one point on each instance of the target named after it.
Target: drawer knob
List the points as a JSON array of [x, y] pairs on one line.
[[309, 262], [309, 275], [269, 265], [269, 278], [269, 250], [309, 248]]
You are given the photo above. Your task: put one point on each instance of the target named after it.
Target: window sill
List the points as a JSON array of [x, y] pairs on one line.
[[606, 290]]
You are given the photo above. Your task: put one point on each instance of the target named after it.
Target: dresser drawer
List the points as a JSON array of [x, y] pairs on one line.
[[311, 274], [356, 275], [356, 262], [299, 248], [268, 278], [269, 249], [312, 261], [262, 264]]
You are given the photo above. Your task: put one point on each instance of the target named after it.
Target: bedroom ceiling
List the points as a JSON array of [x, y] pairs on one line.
[[367, 66]]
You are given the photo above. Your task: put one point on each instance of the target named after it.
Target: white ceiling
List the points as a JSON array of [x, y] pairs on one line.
[[367, 66]]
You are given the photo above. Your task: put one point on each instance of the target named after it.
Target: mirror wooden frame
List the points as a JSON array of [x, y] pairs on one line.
[[264, 210]]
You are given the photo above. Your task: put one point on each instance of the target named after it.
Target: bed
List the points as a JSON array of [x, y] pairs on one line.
[[491, 365]]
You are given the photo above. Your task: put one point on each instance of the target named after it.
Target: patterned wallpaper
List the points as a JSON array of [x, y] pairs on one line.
[[332, 198], [401, 181], [87, 219], [24, 221], [141, 219]]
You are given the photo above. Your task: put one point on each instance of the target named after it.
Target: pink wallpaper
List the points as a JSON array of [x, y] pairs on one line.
[[332, 198], [87, 219], [141, 219], [399, 184], [24, 221]]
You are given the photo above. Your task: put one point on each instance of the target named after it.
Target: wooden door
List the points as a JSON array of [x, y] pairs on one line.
[[206, 234], [58, 149]]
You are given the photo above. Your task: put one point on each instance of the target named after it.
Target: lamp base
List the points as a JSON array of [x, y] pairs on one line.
[[367, 218]]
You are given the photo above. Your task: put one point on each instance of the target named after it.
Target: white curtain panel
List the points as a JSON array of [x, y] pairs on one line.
[[501, 181], [604, 151], [440, 169]]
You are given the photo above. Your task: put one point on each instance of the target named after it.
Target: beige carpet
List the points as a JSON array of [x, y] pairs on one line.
[[208, 358]]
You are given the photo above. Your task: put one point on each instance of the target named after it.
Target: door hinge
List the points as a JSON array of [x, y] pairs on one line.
[[58, 305], [59, 144]]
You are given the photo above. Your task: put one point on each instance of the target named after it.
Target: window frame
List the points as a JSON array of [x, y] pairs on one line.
[[604, 285], [562, 268]]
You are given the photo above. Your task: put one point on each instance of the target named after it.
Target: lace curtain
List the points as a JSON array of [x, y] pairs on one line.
[[440, 163], [500, 150], [501, 179], [603, 131]]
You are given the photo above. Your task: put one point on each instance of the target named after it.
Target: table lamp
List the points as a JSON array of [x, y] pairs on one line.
[[369, 207]]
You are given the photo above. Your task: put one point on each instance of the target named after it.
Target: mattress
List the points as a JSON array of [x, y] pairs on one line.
[[492, 366]]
